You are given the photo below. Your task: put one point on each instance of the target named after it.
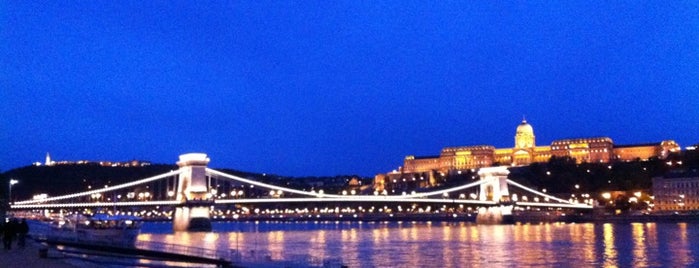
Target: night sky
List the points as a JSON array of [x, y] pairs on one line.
[[329, 87]]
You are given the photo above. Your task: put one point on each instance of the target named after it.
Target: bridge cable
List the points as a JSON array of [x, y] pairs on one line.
[[101, 190]]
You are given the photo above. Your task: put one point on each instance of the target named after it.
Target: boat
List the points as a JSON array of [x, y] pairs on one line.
[[100, 229]]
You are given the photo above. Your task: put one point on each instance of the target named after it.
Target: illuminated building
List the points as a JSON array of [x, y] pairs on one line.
[[645, 151], [676, 191], [48, 160], [524, 152], [589, 150]]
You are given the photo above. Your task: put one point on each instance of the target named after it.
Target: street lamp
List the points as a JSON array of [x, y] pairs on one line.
[[9, 193]]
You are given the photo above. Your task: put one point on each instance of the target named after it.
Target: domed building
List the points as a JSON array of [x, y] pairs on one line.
[[523, 152], [524, 137], [427, 169]]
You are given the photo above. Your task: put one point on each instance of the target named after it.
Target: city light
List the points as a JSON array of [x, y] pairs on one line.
[[9, 193]]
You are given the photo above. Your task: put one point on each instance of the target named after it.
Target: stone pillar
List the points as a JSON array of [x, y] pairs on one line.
[[495, 189], [192, 214]]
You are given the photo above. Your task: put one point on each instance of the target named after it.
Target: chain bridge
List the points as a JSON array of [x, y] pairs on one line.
[[192, 194]]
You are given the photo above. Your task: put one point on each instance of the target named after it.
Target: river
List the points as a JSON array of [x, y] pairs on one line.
[[449, 244]]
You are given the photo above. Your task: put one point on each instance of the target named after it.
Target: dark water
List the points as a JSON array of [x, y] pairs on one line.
[[425, 244]]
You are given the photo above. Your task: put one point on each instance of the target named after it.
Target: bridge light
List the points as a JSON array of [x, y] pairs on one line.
[[543, 190], [376, 192], [344, 192], [577, 186], [240, 193], [169, 194], [353, 192], [445, 195]]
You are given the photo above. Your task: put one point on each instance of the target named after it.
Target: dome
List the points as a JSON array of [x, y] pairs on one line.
[[525, 128]]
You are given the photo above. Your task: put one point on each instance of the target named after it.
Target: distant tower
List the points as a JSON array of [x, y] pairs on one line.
[[48, 159]]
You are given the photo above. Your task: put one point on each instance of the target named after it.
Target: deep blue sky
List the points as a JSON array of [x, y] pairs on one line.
[[330, 87]]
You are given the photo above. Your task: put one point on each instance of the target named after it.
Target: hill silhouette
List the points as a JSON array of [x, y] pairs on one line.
[[73, 178]]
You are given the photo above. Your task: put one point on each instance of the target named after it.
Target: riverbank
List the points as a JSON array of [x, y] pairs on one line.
[[29, 257]]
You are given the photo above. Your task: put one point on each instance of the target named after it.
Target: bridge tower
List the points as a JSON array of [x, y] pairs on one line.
[[494, 189], [192, 214]]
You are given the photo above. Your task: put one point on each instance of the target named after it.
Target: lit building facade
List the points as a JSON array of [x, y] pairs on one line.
[[676, 191], [588, 150], [525, 152], [645, 151]]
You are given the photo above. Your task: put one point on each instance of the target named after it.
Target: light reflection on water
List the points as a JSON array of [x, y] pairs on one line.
[[409, 244]]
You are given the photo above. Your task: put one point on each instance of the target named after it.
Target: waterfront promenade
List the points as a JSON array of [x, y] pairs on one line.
[[29, 257]]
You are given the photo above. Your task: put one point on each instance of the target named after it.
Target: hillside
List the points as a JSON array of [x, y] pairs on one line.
[[67, 179]]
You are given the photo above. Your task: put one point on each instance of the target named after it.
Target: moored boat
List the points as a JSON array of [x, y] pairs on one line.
[[97, 229]]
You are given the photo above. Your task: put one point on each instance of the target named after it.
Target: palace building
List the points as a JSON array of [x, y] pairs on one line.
[[525, 152]]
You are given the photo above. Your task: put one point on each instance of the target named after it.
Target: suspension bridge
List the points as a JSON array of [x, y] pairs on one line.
[[194, 190]]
